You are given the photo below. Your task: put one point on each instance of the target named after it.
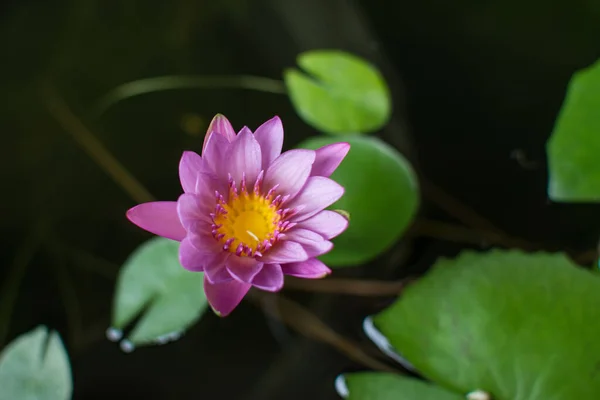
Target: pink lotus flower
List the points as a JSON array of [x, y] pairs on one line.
[[250, 214]]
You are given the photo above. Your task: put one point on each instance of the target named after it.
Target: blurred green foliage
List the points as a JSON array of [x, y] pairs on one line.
[[35, 366], [574, 147], [514, 324], [387, 386], [382, 198], [339, 93], [154, 285]]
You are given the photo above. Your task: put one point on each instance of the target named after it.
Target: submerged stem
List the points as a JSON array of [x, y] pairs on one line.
[[355, 287], [460, 234], [94, 147], [306, 323], [179, 82]]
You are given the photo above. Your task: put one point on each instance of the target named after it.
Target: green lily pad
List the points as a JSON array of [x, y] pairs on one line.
[[152, 282], [518, 326], [573, 148], [382, 197], [386, 386], [35, 366], [340, 94]]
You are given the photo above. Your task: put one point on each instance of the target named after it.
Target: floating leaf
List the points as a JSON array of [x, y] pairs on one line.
[[153, 282], [386, 386], [345, 94], [516, 325], [35, 366], [573, 148], [382, 197]]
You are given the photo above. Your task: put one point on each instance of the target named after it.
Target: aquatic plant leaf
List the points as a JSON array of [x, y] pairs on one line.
[[382, 197], [339, 94], [35, 366], [152, 282], [573, 148], [515, 325], [386, 386]]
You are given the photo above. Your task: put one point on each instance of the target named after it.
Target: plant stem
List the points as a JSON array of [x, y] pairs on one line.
[[306, 323], [456, 208], [182, 82], [353, 287], [461, 234], [94, 148]]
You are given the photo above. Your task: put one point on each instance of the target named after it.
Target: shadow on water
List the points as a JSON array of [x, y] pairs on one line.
[[472, 85]]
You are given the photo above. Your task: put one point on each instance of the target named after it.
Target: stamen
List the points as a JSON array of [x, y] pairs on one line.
[[227, 243], [249, 223], [258, 183], [239, 249], [275, 200], [233, 192], [288, 213], [243, 185], [253, 235], [285, 198], [220, 210], [271, 191]]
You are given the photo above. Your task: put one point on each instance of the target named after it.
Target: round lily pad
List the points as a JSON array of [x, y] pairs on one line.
[[387, 386], [340, 93], [35, 366], [511, 324], [153, 283], [382, 197]]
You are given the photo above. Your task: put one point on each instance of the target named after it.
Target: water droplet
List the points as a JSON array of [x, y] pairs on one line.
[[162, 339], [341, 387], [168, 337], [114, 334], [127, 346], [383, 344], [478, 395]]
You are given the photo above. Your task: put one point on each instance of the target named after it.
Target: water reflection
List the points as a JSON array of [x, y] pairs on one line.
[[341, 387], [384, 344]]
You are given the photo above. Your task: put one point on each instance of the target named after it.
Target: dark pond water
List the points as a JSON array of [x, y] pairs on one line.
[[476, 89]]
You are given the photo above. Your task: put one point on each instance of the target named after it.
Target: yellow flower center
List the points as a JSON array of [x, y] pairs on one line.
[[250, 222]]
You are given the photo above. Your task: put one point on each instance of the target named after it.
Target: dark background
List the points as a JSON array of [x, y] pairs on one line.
[[476, 88]]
